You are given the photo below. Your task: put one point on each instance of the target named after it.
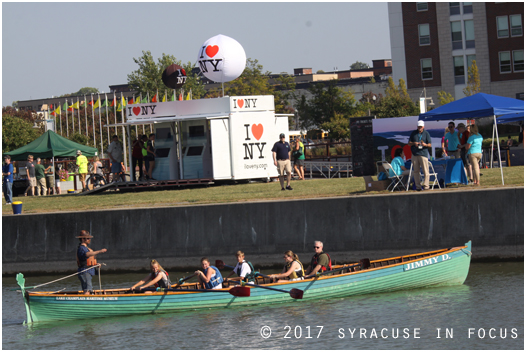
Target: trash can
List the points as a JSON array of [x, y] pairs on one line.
[[17, 207]]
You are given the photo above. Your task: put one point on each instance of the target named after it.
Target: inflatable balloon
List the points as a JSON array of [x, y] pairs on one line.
[[221, 59], [174, 76]]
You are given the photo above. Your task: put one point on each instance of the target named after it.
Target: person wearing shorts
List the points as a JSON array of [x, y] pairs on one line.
[[281, 155], [299, 158], [57, 180], [115, 153], [31, 176]]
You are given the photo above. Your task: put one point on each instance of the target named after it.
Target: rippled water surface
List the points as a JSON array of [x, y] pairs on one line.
[[487, 312]]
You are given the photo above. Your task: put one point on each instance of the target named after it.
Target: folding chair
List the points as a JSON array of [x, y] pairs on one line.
[[433, 174], [396, 181]]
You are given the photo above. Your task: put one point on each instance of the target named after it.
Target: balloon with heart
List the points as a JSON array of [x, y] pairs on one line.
[[221, 59]]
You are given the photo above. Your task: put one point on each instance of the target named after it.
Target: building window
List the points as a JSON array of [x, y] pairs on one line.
[[427, 69], [459, 69], [518, 61], [502, 27], [504, 62], [469, 32], [421, 6], [467, 7], [454, 8], [423, 34], [516, 25], [456, 35]]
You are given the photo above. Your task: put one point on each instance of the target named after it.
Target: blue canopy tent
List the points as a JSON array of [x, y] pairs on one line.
[[477, 106], [516, 118]]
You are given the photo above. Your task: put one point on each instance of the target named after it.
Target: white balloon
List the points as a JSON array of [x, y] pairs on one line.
[[221, 59]]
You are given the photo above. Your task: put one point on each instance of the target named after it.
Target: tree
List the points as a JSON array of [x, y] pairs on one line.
[[338, 127], [445, 97], [147, 79], [79, 138], [17, 131], [328, 101], [473, 86], [86, 91], [396, 102], [359, 66]]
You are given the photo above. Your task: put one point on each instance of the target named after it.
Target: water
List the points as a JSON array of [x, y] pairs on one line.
[[492, 297]]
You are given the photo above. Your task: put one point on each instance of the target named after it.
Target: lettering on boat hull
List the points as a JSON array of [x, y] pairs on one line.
[[86, 298], [426, 262]]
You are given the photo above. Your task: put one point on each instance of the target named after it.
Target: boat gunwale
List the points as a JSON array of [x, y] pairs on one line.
[[226, 289]]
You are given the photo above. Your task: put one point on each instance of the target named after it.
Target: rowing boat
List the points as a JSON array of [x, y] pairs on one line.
[[442, 267]]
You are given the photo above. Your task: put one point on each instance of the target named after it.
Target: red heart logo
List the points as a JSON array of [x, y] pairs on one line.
[[257, 131], [136, 110], [211, 50], [240, 103]]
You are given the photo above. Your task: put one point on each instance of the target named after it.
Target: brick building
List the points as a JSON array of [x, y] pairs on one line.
[[434, 44]]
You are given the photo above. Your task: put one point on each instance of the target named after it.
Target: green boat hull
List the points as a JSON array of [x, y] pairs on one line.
[[449, 267]]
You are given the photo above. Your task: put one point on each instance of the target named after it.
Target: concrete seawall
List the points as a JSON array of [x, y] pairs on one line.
[[374, 226]]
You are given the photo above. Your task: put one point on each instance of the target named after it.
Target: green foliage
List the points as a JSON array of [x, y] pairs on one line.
[[396, 102], [320, 71], [79, 138], [473, 86], [87, 91], [328, 103], [17, 132], [147, 79], [445, 97], [359, 65], [338, 127]]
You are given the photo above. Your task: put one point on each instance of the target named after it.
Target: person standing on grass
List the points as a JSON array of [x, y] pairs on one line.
[[281, 155], [115, 153], [30, 166], [299, 159], [150, 149], [474, 150], [137, 157], [7, 185], [420, 140], [40, 175], [82, 163]]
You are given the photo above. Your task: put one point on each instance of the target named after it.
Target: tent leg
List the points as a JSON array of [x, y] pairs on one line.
[[491, 152], [132, 169], [498, 148]]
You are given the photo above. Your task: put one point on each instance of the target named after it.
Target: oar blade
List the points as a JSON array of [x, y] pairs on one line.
[[220, 264], [240, 291], [296, 293]]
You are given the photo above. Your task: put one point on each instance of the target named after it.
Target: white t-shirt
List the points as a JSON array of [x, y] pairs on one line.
[[115, 149], [245, 269]]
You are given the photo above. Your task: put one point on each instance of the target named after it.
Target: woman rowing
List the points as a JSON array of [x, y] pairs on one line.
[[210, 277], [293, 268], [158, 277]]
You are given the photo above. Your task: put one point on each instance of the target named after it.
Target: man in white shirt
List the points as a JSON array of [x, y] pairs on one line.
[[115, 153]]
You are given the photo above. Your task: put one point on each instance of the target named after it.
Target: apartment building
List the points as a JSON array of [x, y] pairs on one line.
[[434, 44]]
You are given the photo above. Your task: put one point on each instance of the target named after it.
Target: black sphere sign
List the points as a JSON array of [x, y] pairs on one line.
[[174, 76]]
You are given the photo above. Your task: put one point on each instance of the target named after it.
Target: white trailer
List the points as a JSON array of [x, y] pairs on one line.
[[228, 138]]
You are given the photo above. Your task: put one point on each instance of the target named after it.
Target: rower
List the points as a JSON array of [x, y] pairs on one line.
[[243, 269], [320, 262], [158, 277], [293, 269], [86, 259]]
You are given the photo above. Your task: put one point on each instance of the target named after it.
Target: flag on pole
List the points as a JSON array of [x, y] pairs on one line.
[[75, 106], [65, 106], [119, 107], [57, 110], [123, 101], [188, 96], [97, 104], [180, 96], [105, 103], [83, 105], [130, 102], [154, 99], [50, 106], [113, 102], [164, 98], [144, 100], [173, 96], [90, 103]]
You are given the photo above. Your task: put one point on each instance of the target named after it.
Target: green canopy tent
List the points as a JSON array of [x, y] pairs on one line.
[[51, 145]]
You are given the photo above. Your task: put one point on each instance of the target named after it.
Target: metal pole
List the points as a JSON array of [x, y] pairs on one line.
[[86, 113], [498, 148], [132, 167], [67, 122], [100, 127], [93, 122], [123, 111]]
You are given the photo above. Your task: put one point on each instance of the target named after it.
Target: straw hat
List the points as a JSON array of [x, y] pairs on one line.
[[84, 234]]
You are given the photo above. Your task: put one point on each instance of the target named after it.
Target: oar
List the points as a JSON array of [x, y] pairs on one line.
[[294, 293], [364, 264], [184, 279], [238, 291]]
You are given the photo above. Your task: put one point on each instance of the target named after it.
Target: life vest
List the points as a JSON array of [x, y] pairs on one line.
[[314, 262], [214, 280], [250, 276], [297, 273], [90, 261], [164, 283]]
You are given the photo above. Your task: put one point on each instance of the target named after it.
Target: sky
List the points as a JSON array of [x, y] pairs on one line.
[[51, 49]]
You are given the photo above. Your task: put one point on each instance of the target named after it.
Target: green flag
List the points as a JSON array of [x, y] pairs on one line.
[[144, 100], [65, 107], [105, 103], [173, 97]]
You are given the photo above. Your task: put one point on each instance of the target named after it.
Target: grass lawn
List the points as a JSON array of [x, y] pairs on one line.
[[316, 188]]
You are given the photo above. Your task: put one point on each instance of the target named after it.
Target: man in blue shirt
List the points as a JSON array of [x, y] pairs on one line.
[[281, 155], [86, 259], [7, 172], [453, 143], [420, 140]]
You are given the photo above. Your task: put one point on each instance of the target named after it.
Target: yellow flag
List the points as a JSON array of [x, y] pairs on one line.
[[187, 96], [75, 106], [57, 110], [97, 104], [123, 102], [164, 98]]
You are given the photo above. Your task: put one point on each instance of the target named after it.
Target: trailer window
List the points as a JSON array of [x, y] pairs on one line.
[[194, 151], [196, 131]]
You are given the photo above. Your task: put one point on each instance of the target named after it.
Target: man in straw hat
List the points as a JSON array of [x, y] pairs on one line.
[[85, 260]]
